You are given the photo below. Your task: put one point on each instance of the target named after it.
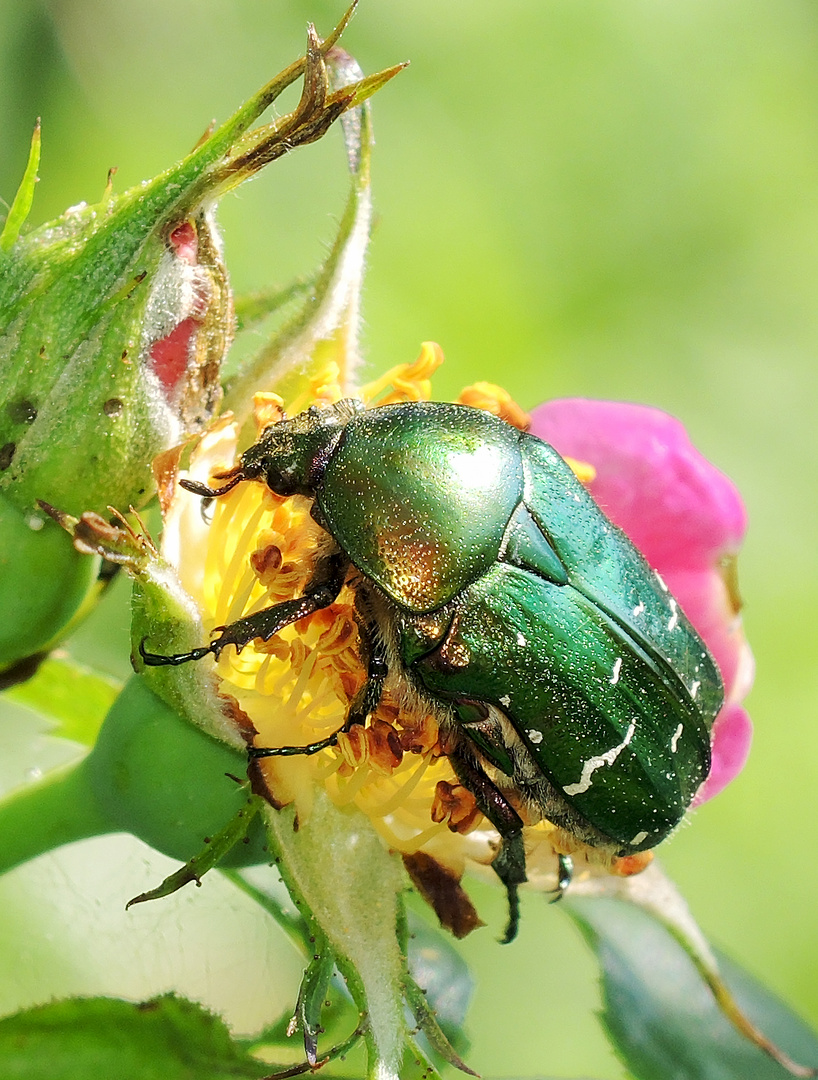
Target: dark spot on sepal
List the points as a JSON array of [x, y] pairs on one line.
[[22, 411]]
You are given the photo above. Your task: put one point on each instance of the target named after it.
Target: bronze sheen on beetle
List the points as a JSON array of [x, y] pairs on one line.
[[492, 590]]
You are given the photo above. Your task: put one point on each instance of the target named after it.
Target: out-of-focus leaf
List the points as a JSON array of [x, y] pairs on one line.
[[71, 694], [660, 1015], [443, 975], [167, 1038]]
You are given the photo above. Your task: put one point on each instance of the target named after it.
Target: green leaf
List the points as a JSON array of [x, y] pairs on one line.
[[167, 1038], [660, 1015], [71, 694]]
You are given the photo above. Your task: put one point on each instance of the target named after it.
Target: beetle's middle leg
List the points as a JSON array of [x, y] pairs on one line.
[[509, 862], [361, 707]]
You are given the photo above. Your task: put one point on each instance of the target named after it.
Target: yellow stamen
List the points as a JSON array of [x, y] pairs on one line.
[[406, 382]]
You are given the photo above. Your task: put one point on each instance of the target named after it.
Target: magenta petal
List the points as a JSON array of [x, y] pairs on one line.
[[679, 510], [732, 736]]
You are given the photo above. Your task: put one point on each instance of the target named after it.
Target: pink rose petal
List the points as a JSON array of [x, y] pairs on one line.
[[732, 736], [679, 510]]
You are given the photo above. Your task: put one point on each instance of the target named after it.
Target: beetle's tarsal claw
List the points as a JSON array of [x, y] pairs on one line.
[[173, 660], [565, 875], [513, 915]]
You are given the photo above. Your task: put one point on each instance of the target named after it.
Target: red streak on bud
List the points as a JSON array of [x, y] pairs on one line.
[[169, 356], [185, 242]]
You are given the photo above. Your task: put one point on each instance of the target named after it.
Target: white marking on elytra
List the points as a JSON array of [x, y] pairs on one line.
[[660, 579], [640, 836], [674, 614], [694, 688], [616, 670], [521, 640], [505, 700], [677, 734], [640, 607], [594, 763], [535, 736]]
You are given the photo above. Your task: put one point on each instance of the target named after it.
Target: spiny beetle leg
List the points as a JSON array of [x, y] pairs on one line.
[[509, 866], [509, 863], [362, 706], [159, 660], [369, 696], [322, 591]]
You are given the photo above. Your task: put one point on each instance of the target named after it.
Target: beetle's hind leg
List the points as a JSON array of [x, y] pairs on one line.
[[322, 591], [361, 707], [509, 862]]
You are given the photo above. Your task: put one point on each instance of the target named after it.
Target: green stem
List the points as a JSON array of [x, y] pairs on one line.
[[45, 815]]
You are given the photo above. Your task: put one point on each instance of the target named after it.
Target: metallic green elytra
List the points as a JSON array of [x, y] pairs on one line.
[[572, 684]]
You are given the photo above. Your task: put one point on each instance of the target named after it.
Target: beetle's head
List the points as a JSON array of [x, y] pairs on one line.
[[291, 455]]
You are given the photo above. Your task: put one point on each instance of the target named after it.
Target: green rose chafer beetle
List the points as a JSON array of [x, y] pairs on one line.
[[487, 580]]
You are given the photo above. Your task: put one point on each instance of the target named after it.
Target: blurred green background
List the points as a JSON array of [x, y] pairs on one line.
[[611, 198]]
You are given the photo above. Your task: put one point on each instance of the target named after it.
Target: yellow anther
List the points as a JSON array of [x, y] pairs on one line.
[[496, 400], [268, 408]]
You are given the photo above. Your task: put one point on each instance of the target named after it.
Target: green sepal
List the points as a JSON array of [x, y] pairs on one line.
[[312, 995], [442, 975], [338, 871], [217, 849], [323, 327], [428, 1023], [21, 204]]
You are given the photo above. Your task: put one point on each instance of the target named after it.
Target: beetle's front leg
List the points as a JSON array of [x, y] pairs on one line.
[[509, 862], [361, 707], [323, 589]]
